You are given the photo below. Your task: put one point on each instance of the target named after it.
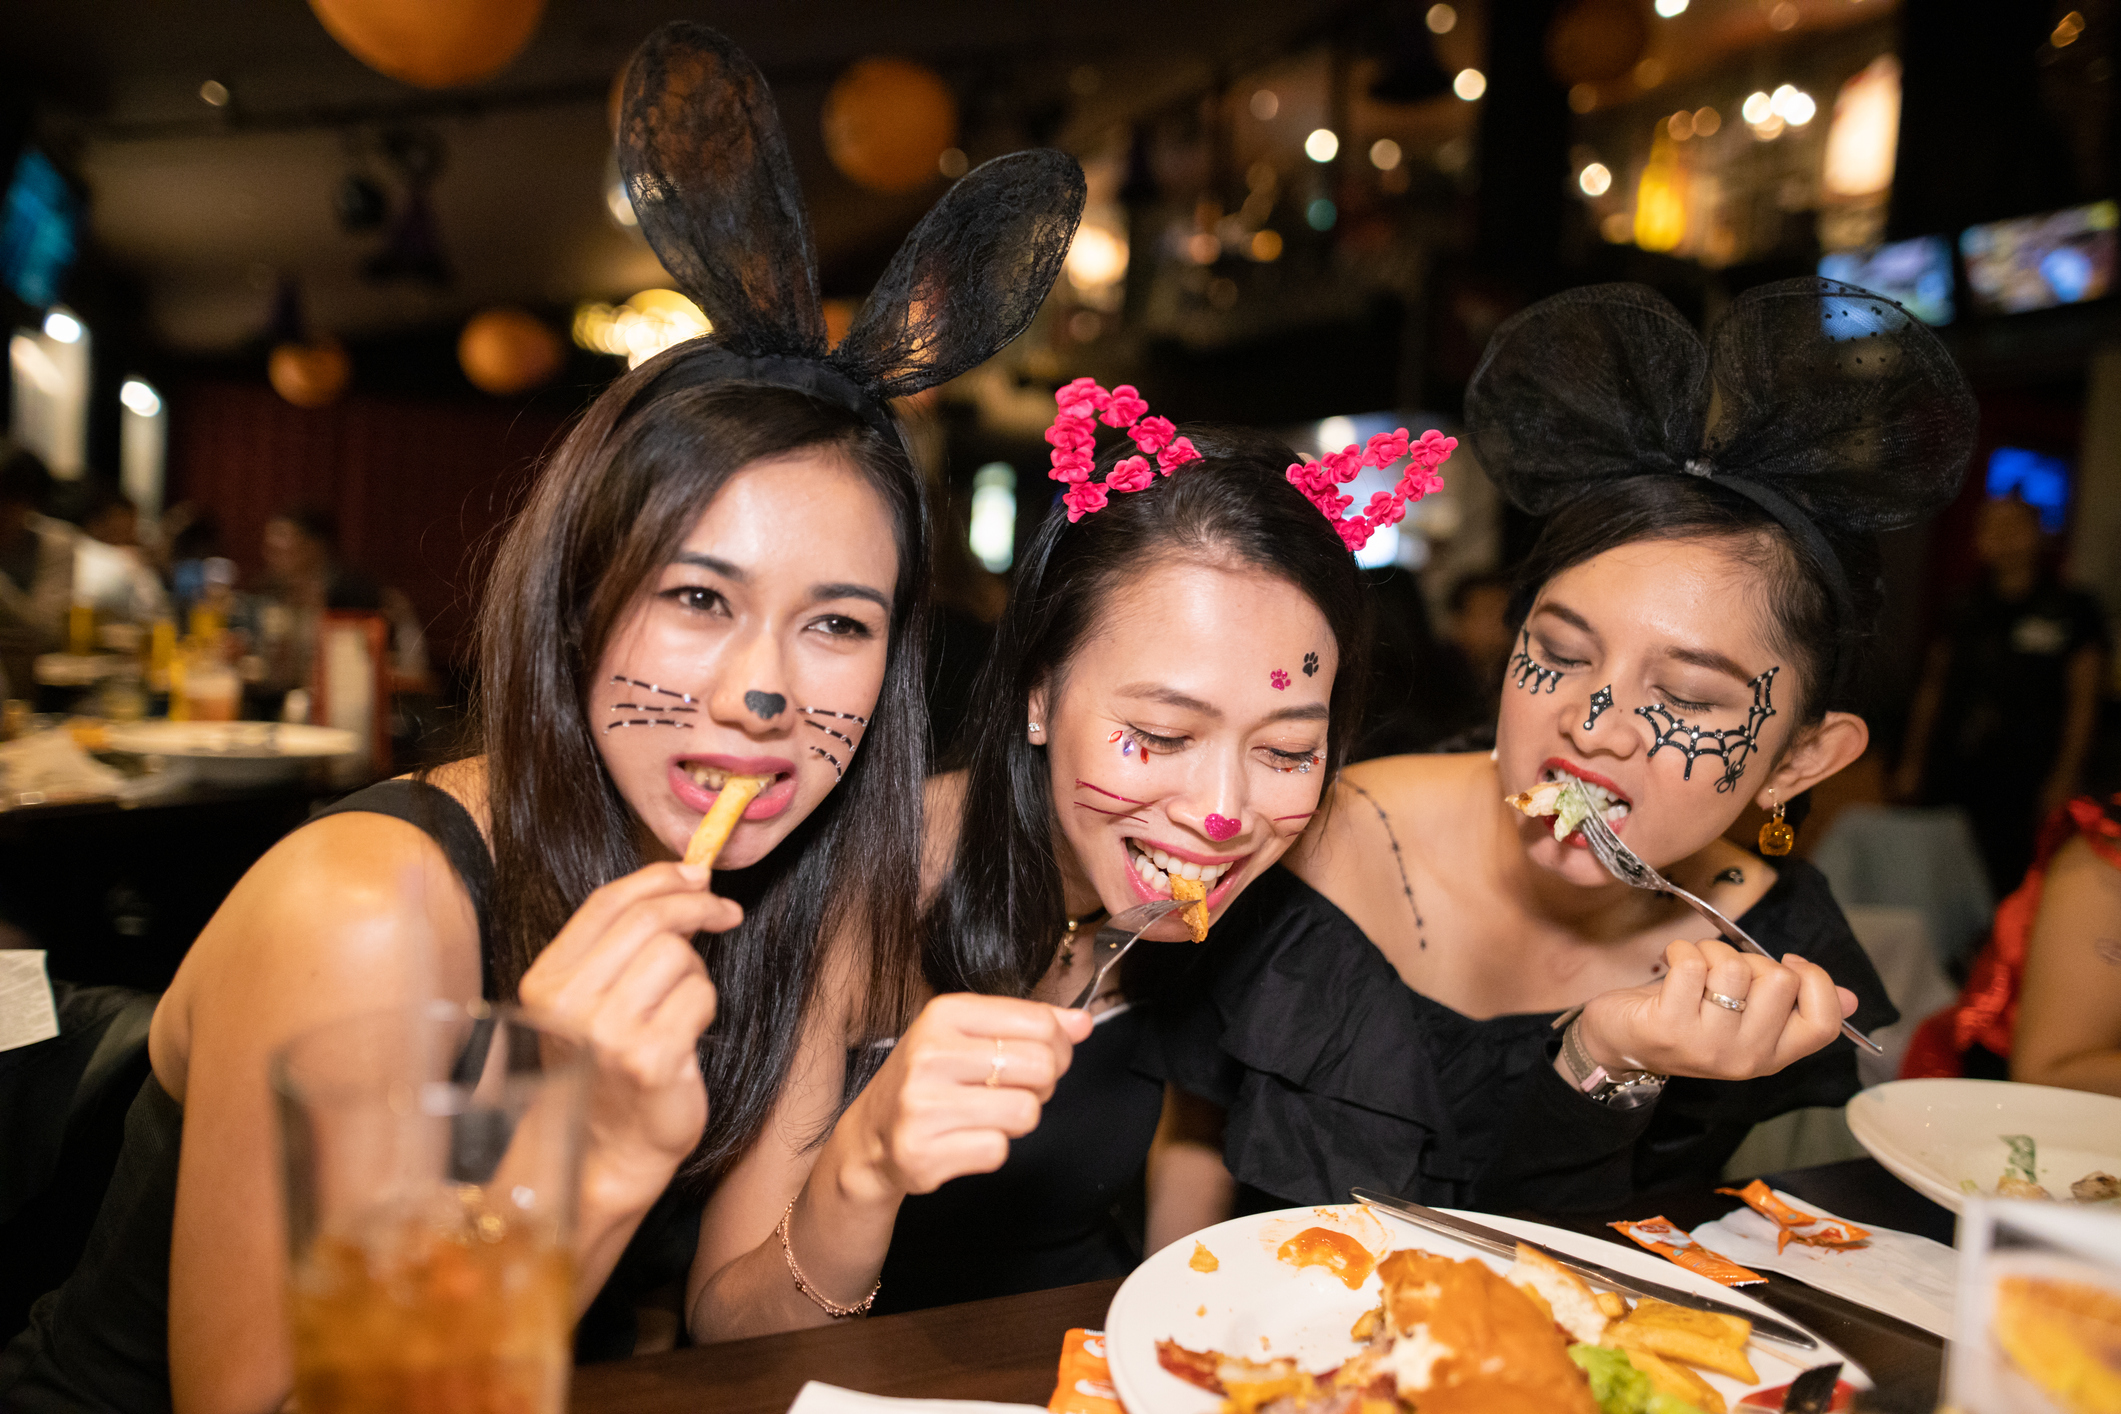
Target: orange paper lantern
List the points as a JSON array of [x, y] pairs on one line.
[[1597, 41], [506, 351], [309, 375], [887, 123], [432, 43]]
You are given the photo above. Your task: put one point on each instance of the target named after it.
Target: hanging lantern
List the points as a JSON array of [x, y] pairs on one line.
[[309, 375], [1597, 41], [432, 43], [887, 124], [506, 351]]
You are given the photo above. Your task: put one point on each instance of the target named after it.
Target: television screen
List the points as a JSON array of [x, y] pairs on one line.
[[2037, 262], [1917, 273], [2040, 481]]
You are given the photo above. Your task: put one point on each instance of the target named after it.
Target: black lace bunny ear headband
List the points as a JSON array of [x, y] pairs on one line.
[[1829, 407], [707, 168]]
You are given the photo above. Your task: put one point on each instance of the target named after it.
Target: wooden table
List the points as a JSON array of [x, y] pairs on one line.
[[1007, 1349]]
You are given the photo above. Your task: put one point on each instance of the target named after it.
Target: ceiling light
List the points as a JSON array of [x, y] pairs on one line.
[[1384, 154], [1670, 8], [139, 397], [214, 93], [1470, 84], [1595, 179], [1442, 19], [1323, 145], [61, 325]]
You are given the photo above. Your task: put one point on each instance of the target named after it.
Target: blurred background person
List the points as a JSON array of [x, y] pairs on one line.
[[111, 573], [304, 578], [2010, 695], [36, 568]]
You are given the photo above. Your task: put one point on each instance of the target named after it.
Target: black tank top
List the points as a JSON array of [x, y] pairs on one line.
[[101, 1342]]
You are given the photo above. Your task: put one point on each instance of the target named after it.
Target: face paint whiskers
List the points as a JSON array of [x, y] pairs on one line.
[[653, 713], [810, 719], [1732, 745]]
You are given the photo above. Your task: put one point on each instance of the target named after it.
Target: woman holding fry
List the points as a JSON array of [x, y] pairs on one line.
[[721, 574]]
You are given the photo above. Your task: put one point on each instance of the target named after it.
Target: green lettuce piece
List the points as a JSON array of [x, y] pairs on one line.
[[1619, 1387], [2024, 1161], [1571, 808]]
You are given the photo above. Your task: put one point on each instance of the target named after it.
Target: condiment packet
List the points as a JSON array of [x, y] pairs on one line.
[[1795, 1224], [1898, 1273], [1085, 1383], [1665, 1240]]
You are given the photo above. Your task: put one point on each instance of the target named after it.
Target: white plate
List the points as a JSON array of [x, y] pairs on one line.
[[1937, 1135], [235, 753], [1256, 1306]]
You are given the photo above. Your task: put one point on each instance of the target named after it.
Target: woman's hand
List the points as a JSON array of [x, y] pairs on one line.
[[970, 1074], [1792, 1008], [624, 974]]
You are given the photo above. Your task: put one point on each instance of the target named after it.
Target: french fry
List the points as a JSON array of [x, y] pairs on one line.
[[1676, 1343], [1733, 1330], [1195, 893], [1678, 1381], [1612, 1303], [728, 808]]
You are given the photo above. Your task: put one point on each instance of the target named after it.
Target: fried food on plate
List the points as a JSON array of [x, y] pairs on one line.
[[1194, 893], [1463, 1339], [1678, 1381], [1705, 1338], [720, 820], [1568, 1302]]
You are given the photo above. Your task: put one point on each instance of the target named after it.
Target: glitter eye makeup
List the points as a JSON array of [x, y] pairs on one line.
[[1527, 669], [1600, 700], [1732, 746], [653, 714]]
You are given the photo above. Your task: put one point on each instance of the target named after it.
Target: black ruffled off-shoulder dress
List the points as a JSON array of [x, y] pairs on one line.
[[1334, 1073]]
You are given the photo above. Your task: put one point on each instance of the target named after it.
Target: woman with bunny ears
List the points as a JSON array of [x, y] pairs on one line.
[[722, 570], [1443, 997]]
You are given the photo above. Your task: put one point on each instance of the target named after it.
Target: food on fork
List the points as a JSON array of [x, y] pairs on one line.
[[1570, 800], [1194, 893], [715, 826]]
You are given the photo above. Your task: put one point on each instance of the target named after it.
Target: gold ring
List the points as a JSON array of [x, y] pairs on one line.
[[994, 1074], [1727, 1003]]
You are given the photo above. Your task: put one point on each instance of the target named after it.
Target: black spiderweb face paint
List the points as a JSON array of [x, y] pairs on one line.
[[1731, 746], [1527, 669], [652, 710], [810, 719], [1600, 700]]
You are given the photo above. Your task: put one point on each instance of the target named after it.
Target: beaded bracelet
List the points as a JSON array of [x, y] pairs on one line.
[[802, 1283]]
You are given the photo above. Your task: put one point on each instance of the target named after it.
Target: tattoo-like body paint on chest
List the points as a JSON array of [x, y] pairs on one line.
[[1732, 746], [1527, 669], [1600, 700]]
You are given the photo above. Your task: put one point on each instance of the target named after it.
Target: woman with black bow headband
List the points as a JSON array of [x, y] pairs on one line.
[[1444, 998], [721, 571]]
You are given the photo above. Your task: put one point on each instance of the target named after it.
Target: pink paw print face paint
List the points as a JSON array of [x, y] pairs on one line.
[[1220, 827], [1280, 680]]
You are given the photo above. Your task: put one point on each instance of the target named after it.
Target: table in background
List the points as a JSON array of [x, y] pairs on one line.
[[1008, 1349]]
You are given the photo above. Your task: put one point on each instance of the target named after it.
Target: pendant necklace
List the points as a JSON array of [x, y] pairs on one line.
[[1067, 947]]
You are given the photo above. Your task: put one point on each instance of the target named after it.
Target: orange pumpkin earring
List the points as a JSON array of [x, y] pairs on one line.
[[1776, 836]]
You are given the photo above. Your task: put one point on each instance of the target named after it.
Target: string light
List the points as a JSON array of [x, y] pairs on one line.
[[1670, 9], [642, 327], [1595, 179], [1470, 84], [1322, 145], [61, 326], [140, 397], [1442, 19], [1384, 154]]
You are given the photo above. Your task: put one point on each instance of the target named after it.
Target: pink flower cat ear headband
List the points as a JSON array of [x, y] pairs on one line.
[[1083, 404]]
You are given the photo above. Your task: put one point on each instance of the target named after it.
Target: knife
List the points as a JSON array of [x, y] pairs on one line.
[[1813, 1391], [1489, 1239]]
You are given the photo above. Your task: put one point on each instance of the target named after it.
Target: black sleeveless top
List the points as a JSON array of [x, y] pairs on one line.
[[1334, 1073], [101, 1342], [1065, 1207]]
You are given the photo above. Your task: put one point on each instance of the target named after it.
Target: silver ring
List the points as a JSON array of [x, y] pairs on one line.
[[1727, 1003]]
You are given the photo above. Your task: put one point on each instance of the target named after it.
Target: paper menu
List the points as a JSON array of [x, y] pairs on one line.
[[27, 1015]]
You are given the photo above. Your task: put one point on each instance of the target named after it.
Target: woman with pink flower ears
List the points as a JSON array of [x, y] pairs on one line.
[[1176, 680]]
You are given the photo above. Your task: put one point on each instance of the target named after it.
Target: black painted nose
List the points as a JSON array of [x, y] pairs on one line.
[[767, 705]]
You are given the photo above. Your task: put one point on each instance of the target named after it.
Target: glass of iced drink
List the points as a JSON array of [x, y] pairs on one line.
[[431, 1156]]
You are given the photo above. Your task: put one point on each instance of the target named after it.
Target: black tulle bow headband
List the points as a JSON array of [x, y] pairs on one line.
[[1833, 409], [708, 171]]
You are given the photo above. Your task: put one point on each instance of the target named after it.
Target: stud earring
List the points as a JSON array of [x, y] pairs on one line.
[[1776, 836], [1036, 731]]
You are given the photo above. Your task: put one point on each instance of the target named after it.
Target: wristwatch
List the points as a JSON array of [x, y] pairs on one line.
[[1623, 1090]]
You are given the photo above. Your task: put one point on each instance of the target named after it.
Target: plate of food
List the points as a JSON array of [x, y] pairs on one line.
[[1948, 1139], [1346, 1310]]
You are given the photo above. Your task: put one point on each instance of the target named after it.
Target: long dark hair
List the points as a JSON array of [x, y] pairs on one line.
[[613, 504], [1828, 649], [999, 915]]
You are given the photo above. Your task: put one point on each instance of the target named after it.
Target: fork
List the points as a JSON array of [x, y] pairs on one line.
[[1121, 932], [1627, 866]]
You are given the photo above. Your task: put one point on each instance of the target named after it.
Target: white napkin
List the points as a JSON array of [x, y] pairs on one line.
[[819, 1398], [1898, 1273], [26, 1012]]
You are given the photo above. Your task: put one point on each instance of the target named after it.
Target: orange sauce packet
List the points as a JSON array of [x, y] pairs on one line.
[[1665, 1240], [1085, 1382], [1762, 1200]]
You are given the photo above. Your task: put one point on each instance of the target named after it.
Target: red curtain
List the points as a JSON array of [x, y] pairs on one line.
[[419, 487]]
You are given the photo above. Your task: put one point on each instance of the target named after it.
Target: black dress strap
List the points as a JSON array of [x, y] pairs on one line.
[[436, 811]]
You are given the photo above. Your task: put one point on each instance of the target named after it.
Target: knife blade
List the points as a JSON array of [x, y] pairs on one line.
[[1813, 1391], [1502, 1244]]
